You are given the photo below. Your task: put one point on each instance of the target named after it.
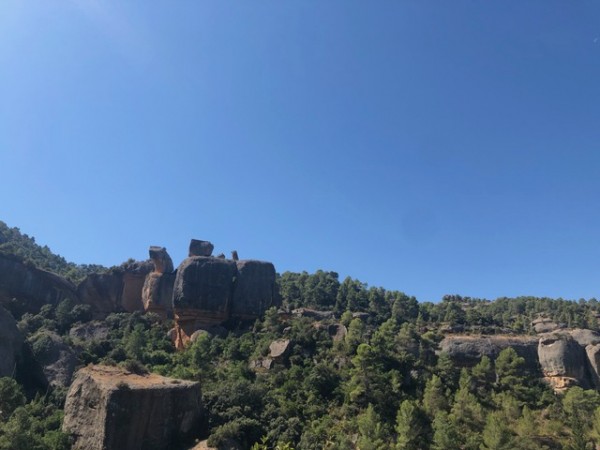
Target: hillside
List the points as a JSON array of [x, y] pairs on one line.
[[24, 247], [338, 365]]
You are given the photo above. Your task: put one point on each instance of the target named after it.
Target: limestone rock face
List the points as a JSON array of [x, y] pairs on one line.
[[157, 293], [11, 342], [466, 351], [563, 361], [593, 354], [90, 331], [110, 409], [205, 284], [200, 248], [279, 348], [255, 289], [58, 359], [102, 291], [118, 290], [202, 294], [32, 286], [16, 358], [161, 259]]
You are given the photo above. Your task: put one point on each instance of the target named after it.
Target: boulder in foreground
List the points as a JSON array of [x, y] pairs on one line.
[[108, 408]]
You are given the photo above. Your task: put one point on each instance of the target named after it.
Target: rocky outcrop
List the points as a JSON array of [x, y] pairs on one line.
[[90, 331], [11, 342], [108, 408], [255, 289], [467, 351], [200, 248], [313, 313], [119, 290], [30, 286], [544, 325], [161, 260], [16, 358], [58, 359], [563, 361], [279, 349], [202, 294], [157, 292], [563, 358]]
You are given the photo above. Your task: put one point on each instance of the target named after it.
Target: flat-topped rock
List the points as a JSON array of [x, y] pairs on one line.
[[109, 408]]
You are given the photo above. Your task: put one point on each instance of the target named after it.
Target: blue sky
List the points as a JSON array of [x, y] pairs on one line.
[[428, 146]]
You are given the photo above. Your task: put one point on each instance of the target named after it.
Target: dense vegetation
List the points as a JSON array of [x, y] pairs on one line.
[[380, 385]]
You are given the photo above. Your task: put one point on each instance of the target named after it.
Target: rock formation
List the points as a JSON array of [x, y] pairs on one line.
[[202, 294], [564, 361], [563, 358], [255, 289], [108, 408], [157, 291], [118, 290], [16, 358], [200, 248], [58, 359], [33, 287], [466, 351], [209, 291], [161, 260], [11, 342]]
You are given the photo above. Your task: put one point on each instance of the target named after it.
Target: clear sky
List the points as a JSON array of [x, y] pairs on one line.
[[433, 147]]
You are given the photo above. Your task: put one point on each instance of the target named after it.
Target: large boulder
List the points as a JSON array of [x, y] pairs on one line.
[[255, 289], [205, 284], [202, 294], [31, 287], [200, 248], [563, 361], [108, 408]]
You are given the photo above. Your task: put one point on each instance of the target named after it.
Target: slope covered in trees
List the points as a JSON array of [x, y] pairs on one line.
[[360, 368]]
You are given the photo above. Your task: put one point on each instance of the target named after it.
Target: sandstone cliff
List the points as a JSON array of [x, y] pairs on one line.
[[563, 358], [108, 408], [33, 287]]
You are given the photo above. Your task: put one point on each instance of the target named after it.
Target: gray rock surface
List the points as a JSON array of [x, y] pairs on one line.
[[161, 259], [11, 342], [467, 350], [110, 409], [89, 331], [118, 290], [33, 287], [563, 361], [58, 359], [205, 284], [200, 248], [585, 337], [279, 348], [255, 289], [16, 358]]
